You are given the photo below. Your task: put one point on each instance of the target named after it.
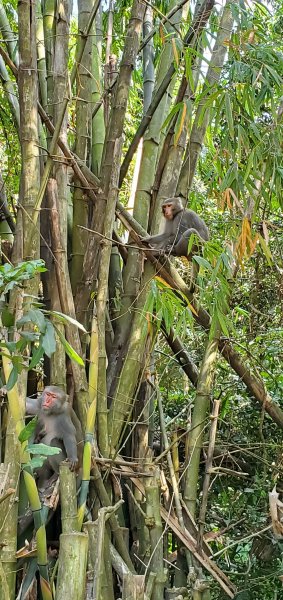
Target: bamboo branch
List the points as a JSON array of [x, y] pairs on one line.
[[190, 542]]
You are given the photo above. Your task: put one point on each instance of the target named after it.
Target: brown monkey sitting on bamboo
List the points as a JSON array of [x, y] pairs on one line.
[[58, 426], [180, 224]]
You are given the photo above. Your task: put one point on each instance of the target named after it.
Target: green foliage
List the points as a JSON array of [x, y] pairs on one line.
[[167, 308], [28, 430], [36, 333], [11, 276], [39, 452]]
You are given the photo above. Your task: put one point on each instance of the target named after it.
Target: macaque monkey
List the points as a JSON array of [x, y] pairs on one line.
[[57, 426], [180, 224]]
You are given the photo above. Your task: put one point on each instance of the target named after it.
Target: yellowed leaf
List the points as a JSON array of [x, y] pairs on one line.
[[161, 33], [181, 125], [175, 52], [265, 231]]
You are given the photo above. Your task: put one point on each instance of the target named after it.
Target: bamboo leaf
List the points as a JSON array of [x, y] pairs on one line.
[[175, 52], [37, 461], [43, 449], [67, 319], [37, 355], [48, 340], [229, 115], [180, 124], [222, 322], [68, 348], [249, 165], [202, 262], [189, 71], [8, 319], [172, 112], [265, 249], [12, 378], [27, 430]]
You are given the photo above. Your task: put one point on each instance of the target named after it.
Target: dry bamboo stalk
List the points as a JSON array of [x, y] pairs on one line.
[[133, 587]]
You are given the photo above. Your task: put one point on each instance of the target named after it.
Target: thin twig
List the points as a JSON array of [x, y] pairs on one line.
[[8, 493], [135, 500], [240, 541]]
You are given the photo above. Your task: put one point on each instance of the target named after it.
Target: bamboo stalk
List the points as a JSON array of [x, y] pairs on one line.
[[41, 62], [71, 578], [118, 536], [150, 146], [107, 71], [173, 477], [102, 564], [133, 365], [209, 461], [90, 528], [197, 26], [66, 298], [16, 412], [61, 115], [133, 587], [196, 138], [102, 294], [196, 435], [152, 493], [68, 498], [8, 35], [117, 116], [118, 563], [9, 89], [83, 140], [89, 439], [49, 9], [98, 126]]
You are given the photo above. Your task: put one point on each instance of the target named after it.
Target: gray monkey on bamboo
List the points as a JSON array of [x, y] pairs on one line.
[[57, 425], [180, 224]]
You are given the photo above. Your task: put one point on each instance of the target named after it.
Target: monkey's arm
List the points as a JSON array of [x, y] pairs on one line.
[[69, 440], [181, 247], [33, 405], [162, 239]]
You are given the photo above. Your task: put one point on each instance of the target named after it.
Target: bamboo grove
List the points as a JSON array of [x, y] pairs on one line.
[[108, 109]]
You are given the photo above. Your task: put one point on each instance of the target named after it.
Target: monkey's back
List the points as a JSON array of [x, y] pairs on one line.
[[191, 220]]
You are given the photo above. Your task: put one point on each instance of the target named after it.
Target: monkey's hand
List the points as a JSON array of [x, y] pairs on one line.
[[169, 249], [145, 240], [73, 463]]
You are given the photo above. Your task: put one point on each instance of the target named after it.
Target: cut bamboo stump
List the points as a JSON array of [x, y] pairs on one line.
[[68, 495], [72, 566], [133, 587]]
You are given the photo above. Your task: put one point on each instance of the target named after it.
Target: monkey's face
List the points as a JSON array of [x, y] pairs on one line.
[[168, 211], [50, 401]]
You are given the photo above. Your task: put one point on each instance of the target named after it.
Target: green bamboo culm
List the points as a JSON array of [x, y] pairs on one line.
[[90, 420], [89, 437], [32, 492]]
